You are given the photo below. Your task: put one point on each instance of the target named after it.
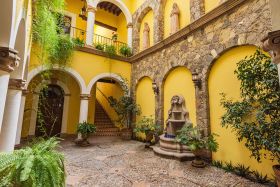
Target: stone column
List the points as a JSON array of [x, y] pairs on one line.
[[84, 107], [21, 114], [197, 9], [129, 34], [8, 61], [12, 111], [158, 103], [272, 44], [90, 25]]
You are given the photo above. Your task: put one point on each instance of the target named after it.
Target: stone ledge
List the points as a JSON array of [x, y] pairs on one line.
[[89, 49], [186, 31]]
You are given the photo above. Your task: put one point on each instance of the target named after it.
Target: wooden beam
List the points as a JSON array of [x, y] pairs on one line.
[[105, 26]]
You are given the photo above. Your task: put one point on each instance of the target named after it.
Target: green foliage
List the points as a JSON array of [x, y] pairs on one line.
[[86, 128], [54, 47], [126, 51], [146, 124], [99, 46], [193, 137], [217, 163], [260, 178], [242, 170], [255, 118], [228, 167], [37, 166], [110, 50], [78, 42]]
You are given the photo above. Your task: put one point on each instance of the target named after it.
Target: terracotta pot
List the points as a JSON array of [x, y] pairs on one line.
[[198, 162], [276, 169]]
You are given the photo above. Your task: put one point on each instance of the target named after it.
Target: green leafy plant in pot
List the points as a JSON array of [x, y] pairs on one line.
[[126, 51], [148, 126], [255, 118], [193, 138], [84, 130]]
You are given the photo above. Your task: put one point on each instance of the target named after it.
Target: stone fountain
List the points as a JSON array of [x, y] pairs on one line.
[[178, 116]]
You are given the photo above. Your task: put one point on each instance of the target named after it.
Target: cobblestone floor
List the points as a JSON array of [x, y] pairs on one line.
[[111, 162]]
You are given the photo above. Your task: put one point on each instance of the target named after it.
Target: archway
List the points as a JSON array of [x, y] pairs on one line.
[[50, 111], [179, 81], [222, 79]]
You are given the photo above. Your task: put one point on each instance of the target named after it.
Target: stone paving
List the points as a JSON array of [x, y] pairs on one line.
[[111, 162]]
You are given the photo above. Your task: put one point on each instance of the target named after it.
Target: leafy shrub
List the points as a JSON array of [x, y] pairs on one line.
[[86, 128], [256, 118], [110, 50], [260, 178], [78, 42], [37, 166], [242, 170], [126, 51], [228, 167], [99, 46], [217, 163], [145, 125]]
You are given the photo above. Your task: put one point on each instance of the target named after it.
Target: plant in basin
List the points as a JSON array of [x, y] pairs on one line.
[[147, 126], [255, 118], [84, 130], [193, 138]]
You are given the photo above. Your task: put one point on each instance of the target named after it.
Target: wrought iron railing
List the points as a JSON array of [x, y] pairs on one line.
[[99, 42]]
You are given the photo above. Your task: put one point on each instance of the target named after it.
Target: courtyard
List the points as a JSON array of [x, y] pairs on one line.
[[114, 162]]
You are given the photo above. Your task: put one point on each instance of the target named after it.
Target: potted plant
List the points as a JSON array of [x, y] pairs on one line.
[[126, 51], [147, 126], [84, 130], [255, 118], [99, 46], [114, 36], [193, 138]]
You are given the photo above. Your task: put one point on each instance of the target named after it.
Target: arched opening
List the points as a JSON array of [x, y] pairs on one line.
[[20, 47], [50, 111], [221, 80], [179, 82]]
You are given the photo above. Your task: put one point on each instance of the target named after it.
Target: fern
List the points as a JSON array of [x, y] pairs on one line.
[[39, 165]]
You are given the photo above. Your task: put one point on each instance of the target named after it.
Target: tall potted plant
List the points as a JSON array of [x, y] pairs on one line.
[[193, 138], [84, 130], [255, 118]]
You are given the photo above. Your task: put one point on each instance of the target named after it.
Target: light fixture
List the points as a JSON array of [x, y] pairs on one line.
[[83, 13], [155, 88], [196, 79]]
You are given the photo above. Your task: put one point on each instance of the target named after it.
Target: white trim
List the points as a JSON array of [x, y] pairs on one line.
[[101, 76], [72, 72], [73, 21], [32, 125]]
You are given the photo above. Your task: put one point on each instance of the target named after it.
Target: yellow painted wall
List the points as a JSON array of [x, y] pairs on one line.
[[74, 102], [149, 18], [211, 4], [145, 97], [184, 17], [74, 6], [91, 104], [109, 90], [221, 80], [179, 82], [122, 28]]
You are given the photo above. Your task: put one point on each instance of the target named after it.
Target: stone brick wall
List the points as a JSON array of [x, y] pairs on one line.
[[245, 24]]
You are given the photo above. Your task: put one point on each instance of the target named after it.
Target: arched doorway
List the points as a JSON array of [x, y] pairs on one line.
[[50, 111]]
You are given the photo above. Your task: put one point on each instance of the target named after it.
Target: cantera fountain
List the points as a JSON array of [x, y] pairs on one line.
[[178, 116]]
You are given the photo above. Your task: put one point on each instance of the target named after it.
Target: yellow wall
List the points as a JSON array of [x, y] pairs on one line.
[[179, 82], [221, 80], [149, 18], [74, 6], [145, 97], [211, 4], [91, 104], [184, 17]]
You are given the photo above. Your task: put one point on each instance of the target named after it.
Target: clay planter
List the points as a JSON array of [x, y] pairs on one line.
[[83, 142], [198, 162], [149, 137], [276, 169]]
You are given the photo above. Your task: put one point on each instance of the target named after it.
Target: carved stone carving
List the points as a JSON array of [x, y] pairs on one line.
[[8, 59], [17, 84], [174, 19], [146, 36], [271, 43], [85, 96]]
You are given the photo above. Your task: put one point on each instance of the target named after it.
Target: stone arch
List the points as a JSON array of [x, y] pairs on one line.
[[7, 18], [70, 71], [20, 46], [94, 80]]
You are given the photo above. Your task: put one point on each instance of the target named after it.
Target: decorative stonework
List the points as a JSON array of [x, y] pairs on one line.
[[8, 59], [271, 43], [196, 49], [197, 9], [91, 9], [85, 96], [17, 84]]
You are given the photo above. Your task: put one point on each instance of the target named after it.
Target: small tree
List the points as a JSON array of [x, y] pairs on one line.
[[256, 117]]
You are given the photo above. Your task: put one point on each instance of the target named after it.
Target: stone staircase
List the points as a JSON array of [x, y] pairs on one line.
[[104, 125]]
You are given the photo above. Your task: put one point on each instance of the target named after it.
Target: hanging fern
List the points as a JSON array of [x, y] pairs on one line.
[[37, 166]]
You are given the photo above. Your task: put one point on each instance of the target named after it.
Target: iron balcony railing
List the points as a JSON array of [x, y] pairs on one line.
[[99, 42]]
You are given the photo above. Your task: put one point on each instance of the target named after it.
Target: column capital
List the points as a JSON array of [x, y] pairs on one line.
[[129, 25], [85, 96], [17, 84], [25, 92], [8, 59], [91, 9], [271, 43]]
